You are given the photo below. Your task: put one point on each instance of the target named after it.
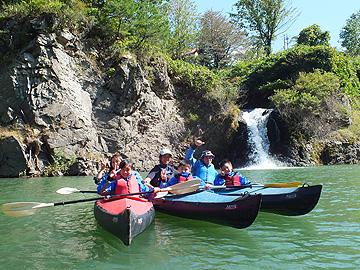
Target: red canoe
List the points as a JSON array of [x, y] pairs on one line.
[[125, 218]]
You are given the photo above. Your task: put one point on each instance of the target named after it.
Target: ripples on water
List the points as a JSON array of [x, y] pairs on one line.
[[67, 237]]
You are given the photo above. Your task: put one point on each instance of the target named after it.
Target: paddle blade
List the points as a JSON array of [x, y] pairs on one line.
[[67, 190], [19, 209], [185, 187], [284, 185], [184, 190], [161, 194]]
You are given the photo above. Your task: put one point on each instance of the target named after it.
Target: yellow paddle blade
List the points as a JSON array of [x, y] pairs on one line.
[[186, 187], [284, 185], [184, 190]]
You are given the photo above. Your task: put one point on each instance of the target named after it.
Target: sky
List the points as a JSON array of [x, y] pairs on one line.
[[331, 15]]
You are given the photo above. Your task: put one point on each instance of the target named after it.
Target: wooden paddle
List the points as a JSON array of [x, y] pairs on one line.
[[280, 185], [18, 209], [183, 188]]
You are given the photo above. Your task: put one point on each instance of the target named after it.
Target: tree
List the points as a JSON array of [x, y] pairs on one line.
[[350, 34], [264, 18], [313, 36], [135, 24], [220, 41], [183, 27]]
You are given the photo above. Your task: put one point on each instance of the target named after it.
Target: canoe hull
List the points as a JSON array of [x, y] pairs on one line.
[[299, 202], [125, 218], [239, 213], [282, 201]]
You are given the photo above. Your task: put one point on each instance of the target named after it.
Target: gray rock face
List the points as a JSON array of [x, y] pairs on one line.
[[55, 86], [340, 153], [13, 161], [48, 87], [134, 120]]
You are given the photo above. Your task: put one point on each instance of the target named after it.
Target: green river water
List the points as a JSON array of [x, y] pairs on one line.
[[68, 237]]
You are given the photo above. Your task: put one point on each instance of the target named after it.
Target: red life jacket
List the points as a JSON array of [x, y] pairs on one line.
[[183, 179], [232, 180], [129, 186]]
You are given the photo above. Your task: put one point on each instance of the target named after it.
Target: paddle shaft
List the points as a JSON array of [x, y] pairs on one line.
[[100, 198], [258, 187], [275, 185]]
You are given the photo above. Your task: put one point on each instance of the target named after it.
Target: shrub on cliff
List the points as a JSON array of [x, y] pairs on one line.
[[68, 12], [262, 76], [313, 105], [203, 82], [207, 98]]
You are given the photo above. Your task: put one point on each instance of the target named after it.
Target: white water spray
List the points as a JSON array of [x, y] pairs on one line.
[[259, 157]]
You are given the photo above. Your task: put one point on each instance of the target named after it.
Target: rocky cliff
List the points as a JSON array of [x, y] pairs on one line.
[[55, 93], [62, 109]]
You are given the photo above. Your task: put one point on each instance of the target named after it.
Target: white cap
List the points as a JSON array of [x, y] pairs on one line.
[[165, 151]]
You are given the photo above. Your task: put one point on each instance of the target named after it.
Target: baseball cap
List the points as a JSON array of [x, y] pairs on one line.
[[207, 153], [165, 151]]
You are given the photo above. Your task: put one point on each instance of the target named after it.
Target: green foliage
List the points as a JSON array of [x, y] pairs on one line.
[[285, 66], [70, 12], [61, 163], [351, 133], [110, 71], [193, 117], [136, 24], [313, 106], [278, 84], [220, 41], [309, 91], [313, 36], [204, 90], [348, 70], [350, 34], [183, 27], [197, 77], [264, 18]]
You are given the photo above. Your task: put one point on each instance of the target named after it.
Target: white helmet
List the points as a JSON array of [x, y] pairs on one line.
[[165, 151]]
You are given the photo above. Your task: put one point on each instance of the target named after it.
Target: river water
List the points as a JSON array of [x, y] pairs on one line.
[[68, 237]]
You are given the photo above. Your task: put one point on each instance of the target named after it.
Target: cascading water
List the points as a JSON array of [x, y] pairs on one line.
[[259, 157]]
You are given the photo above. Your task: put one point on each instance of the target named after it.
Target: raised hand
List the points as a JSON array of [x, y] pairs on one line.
[[198, 142]]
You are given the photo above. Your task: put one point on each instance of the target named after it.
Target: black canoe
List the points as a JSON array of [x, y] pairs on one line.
[[293, 201], [239, 212], [125, 218]]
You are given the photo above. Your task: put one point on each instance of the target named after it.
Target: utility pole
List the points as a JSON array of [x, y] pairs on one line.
[[286, 42]]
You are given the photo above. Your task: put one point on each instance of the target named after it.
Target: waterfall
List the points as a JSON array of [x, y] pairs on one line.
[[259, 157]]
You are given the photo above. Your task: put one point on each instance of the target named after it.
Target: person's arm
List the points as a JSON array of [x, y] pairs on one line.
[[219, 181], [140, 181], [172, 181], [151, 176], [105, 187], [189, 155], [100, 174], [244, 180]]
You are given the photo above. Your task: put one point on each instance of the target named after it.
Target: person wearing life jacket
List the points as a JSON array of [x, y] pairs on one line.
[[111, 164], [183, 174], [202, 168], [228, 176], [162, 171], [126, 181]]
